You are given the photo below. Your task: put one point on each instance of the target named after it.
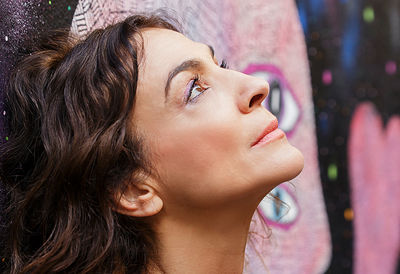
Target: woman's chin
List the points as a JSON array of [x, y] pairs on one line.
[[296, 164], [284, 166]]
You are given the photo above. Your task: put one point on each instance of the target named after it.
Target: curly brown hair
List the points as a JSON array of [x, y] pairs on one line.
[[72, 147]]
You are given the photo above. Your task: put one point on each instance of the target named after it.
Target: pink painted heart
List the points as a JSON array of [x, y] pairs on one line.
[[374, 160]]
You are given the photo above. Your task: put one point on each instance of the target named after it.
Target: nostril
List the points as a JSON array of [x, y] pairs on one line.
[[255, 99]]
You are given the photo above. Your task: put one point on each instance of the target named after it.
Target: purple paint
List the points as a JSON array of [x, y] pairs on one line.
[[327, 77], [391, 67]]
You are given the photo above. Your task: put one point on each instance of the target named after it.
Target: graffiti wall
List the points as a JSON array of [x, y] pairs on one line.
[[332, 67], [353, 48]]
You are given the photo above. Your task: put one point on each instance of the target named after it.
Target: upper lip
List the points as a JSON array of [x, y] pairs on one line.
[[270, 127]]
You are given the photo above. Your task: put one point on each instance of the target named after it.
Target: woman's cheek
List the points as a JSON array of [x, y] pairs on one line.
[[194, 149], [197, 156]]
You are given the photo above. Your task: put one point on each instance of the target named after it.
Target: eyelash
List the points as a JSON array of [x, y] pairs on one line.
[[196, 79], [194, 84], [224, 64]]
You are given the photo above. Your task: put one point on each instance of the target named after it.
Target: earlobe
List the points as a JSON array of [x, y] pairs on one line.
[[140, 200]]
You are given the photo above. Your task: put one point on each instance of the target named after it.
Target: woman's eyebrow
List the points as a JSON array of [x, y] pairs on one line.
[[191, 64]]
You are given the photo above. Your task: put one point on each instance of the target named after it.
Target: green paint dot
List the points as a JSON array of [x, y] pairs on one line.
[[49, 2], [69, 7], [6, 138], [332, 172], [368, 14]]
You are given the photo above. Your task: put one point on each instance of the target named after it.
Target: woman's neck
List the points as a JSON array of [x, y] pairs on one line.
[[205, 241]]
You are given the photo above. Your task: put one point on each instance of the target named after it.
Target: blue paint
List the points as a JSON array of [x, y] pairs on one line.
[[350, 44], [324, 125], [351, 36], [303, 17], [317, 7]]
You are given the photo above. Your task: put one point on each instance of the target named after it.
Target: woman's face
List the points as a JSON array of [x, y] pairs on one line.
[[201, 123]]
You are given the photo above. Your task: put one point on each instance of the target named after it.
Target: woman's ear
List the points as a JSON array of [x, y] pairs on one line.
[[139, 200]]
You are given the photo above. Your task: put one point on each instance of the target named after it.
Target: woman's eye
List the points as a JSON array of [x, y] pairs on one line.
[[195, 91]]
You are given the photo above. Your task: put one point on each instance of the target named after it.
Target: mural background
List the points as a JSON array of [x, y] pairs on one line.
[[353, 49]]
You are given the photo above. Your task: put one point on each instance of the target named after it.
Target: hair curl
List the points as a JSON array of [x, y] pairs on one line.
[[72, 147]]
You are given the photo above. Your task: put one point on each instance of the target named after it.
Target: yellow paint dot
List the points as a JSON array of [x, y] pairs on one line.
[[49, 2], [368, 14], [332, 172], [348, 214]]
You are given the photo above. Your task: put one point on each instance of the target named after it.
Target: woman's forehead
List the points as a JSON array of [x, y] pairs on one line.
[[168, 48], [163, 41]]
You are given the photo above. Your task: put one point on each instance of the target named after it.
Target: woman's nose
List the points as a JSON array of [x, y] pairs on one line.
[[253, 91]]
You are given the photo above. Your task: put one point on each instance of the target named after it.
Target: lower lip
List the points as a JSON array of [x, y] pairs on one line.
[[270, 137]]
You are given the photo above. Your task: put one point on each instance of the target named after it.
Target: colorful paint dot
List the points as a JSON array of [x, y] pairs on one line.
[[348, 214], [49, 2], [327, 77], [332, 172], [368, 14], [6, 138], [69, 8], [391, 67], [6, 38], [4, 112]]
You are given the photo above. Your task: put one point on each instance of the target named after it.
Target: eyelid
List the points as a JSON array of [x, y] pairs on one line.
[[189, 86], [195, 81], [198, 97]]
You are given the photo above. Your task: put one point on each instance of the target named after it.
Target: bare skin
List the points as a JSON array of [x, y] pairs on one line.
[[210, 174]]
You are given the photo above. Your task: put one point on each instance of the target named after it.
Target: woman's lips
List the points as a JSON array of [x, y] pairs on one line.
[[270, 133]]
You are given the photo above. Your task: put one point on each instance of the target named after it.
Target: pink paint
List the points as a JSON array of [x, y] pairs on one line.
[[327, 77], [391, 67], [253, 69], [374, 157], [292, 204]]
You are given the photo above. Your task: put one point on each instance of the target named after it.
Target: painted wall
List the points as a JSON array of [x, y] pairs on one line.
[[353, 48], [343, 211]]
